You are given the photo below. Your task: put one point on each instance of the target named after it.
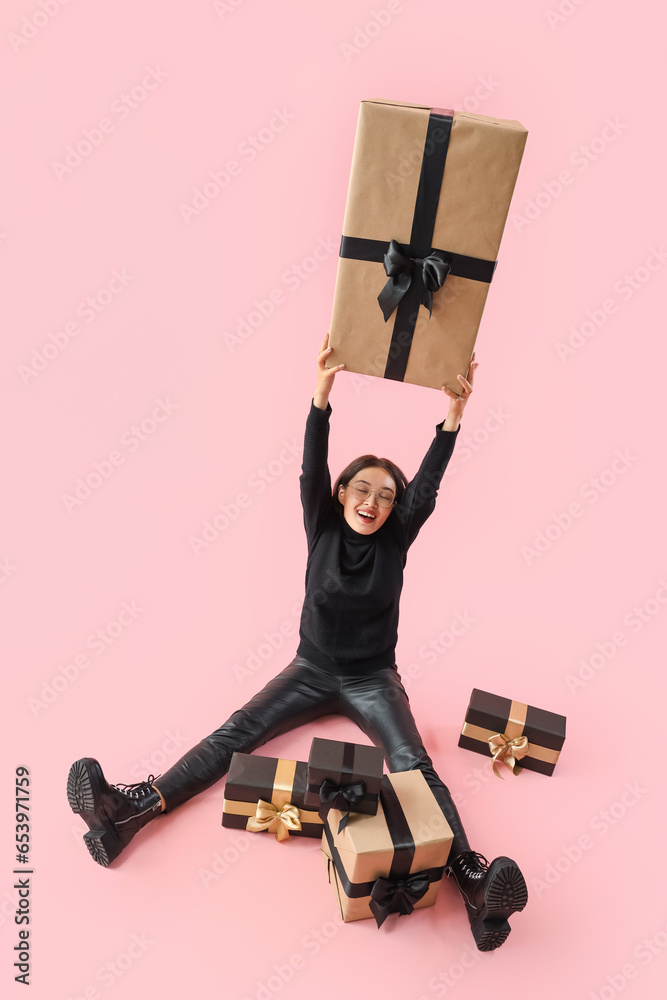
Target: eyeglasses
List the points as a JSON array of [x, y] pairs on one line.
[[362, 493]]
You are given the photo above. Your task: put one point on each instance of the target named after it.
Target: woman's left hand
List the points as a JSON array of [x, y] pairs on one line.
[[466, 385], [457, 403]]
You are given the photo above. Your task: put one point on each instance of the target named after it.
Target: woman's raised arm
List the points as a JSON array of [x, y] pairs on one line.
[[457, 403], [315, 480], [325, 376], [418, 501]]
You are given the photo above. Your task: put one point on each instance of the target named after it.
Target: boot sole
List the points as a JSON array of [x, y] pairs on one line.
[[505, 893], [84, 787], [490, 934]]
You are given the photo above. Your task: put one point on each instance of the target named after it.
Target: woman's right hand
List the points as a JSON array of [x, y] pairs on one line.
[[325, 376]]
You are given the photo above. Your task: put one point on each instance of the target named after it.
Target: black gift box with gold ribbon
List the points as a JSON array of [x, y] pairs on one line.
[[513, 733], [267, 794]]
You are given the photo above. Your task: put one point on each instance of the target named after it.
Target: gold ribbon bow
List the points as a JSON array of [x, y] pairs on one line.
[[278, 820], [506, 751]]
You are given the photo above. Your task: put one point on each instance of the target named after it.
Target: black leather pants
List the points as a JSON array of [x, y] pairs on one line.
[[301, 692]]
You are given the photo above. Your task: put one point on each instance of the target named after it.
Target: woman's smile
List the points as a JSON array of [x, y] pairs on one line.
[[366, 515]]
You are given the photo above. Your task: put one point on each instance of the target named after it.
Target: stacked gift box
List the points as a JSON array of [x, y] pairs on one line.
[[384, 838], [392, 862], [345, 776], [266, 795]]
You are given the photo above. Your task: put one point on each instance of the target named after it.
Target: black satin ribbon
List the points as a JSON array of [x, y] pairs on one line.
[[397, 895], [429, 272], [343, 797], [460, 266], [357, 890], [402, 292], [400, 890]]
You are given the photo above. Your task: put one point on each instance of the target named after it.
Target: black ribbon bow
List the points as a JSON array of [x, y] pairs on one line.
[[397, 895], [343, 797], [431, 271]]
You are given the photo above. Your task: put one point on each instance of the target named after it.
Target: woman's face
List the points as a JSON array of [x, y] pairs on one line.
[[361, 508]]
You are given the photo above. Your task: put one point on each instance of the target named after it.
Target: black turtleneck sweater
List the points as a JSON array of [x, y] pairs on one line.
[[349, 620]]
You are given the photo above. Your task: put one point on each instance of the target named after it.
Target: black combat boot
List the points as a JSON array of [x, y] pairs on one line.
[[113, 813], [491, 893]]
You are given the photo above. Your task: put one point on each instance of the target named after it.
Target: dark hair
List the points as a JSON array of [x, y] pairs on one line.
[[365, 462]]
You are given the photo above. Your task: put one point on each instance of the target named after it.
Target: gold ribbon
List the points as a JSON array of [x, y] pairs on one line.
[[509, 747], [508, 752], [280, 815], [276, 820]]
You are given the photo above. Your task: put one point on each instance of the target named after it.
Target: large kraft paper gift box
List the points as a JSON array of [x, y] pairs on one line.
[[266, 794], [428, 198], [392, 862]]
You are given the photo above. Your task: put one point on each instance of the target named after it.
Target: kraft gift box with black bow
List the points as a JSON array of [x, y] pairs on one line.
[[266, 794], [392, 862], [428, 198]]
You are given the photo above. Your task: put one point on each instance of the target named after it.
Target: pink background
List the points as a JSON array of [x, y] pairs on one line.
[[587, 838]]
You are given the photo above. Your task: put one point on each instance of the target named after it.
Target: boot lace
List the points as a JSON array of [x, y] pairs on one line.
[[139, 789], [470, 863]]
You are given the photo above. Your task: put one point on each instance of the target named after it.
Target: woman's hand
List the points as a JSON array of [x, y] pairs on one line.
[[457, 403], [325, 376]]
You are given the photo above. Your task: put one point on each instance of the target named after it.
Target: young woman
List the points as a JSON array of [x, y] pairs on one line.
[[358, 537]]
